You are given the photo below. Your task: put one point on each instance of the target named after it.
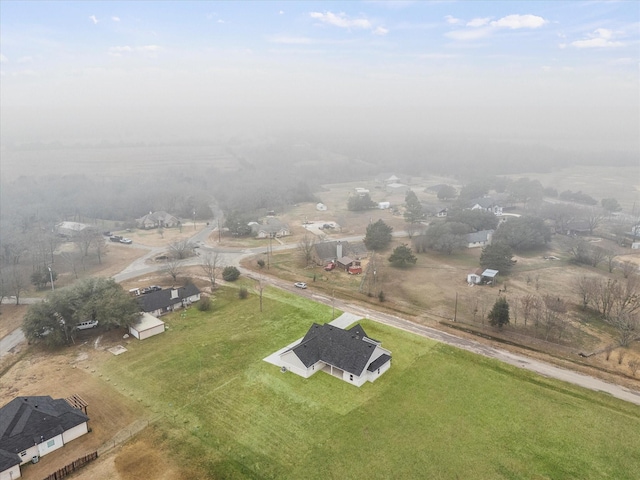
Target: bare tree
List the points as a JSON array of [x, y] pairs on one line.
[[626, 296], [17, 282], [85, 239], [212, 264], [100, 246], [180, 249], [173, 267], [634, 365], [627, 329], [552, 316], [593, 218], [305, 248], [71, 259], [585, 287], [596, 255], [609, 256], [530, 304], [627, 267]]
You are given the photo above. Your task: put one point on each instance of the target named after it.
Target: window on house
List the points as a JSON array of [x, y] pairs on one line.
[[23, 454], [378, 371], [51, 443], [351, 378]]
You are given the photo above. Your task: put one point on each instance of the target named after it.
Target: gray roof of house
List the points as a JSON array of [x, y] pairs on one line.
[[480, 236], [8, 460], [349, 350], [28, 421], [152, 301], [485, 202]]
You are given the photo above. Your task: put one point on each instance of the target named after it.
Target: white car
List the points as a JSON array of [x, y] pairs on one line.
[[300, 285], [126, 241]]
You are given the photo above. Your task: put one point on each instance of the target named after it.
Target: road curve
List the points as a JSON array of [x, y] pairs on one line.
[[139, 267]]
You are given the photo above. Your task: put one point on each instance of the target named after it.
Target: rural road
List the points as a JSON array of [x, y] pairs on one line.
[[233, 257], [10, 341]]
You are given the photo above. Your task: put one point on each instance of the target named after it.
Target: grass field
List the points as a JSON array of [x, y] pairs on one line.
[[438, 413]]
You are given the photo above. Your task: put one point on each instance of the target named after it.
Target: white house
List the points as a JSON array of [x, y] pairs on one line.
[[31, 427], [384, 205], [146, 326], [273, 228], [487, 204], [346, 354], [163, 301], [479, 239]]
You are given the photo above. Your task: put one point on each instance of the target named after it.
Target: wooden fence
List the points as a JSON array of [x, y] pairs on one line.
[[72, 467]]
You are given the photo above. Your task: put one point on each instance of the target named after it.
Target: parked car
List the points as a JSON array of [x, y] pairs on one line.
[[87, 324], [300, 285], [330, 266], [152, 288], [115, 238], [126, 241], [327, 225]]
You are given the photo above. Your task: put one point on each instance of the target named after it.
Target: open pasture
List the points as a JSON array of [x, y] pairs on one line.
[[437, 413]]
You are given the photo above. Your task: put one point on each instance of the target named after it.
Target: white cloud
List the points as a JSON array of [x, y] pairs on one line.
[[26, 59], [119, 51], [546, 68], [341, 20], [148, 48], [115, 19], [519, 21], [281, 12], [3, 59], [380, 31], [220, 21], [93, 19], [478, 22], [452, 20], [600, 38]]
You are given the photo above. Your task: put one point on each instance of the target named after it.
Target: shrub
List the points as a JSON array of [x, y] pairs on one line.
[[381, 296], [243, 293], [230, 274], [204, 305], [261, 263]]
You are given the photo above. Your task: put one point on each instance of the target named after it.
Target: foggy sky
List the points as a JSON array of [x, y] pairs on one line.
[[558, 73]]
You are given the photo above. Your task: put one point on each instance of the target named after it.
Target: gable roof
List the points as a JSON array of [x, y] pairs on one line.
[[157, 218], [349, 350], [481, 236], [28, 421], [152, 301]]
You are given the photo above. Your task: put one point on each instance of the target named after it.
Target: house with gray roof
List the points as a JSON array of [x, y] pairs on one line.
[[325, 252], [157, 220], [479, 239], [350, 355], [488, 204], [272, 227], [159, 302], [31, 427]]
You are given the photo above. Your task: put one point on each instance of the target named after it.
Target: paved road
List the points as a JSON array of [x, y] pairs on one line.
[[233, 257], [10, 341]]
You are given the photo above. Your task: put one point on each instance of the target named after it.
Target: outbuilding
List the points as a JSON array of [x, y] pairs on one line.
[[146, 326]]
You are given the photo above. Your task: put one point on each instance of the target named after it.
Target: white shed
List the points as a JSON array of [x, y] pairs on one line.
[[147, 326]]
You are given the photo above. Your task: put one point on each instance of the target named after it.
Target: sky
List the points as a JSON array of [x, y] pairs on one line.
[[560, 73]]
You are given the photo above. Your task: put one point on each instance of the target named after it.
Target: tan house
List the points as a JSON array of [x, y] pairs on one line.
[[146, 326]]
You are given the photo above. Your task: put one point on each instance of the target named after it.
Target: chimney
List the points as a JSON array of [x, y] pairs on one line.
[[339, 250], [174, 293]]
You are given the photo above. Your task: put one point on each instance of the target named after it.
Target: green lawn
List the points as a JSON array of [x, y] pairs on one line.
[[438, 412]]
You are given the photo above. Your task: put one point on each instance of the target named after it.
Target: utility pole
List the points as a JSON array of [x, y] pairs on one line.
[[194, 219], [455, 309], [51, 277]]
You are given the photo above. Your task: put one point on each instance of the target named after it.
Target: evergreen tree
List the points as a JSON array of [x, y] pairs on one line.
[[378, 236], [499, 314], [402, 256]]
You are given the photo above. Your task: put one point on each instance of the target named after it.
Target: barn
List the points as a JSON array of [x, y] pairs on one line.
[[146, 326]]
